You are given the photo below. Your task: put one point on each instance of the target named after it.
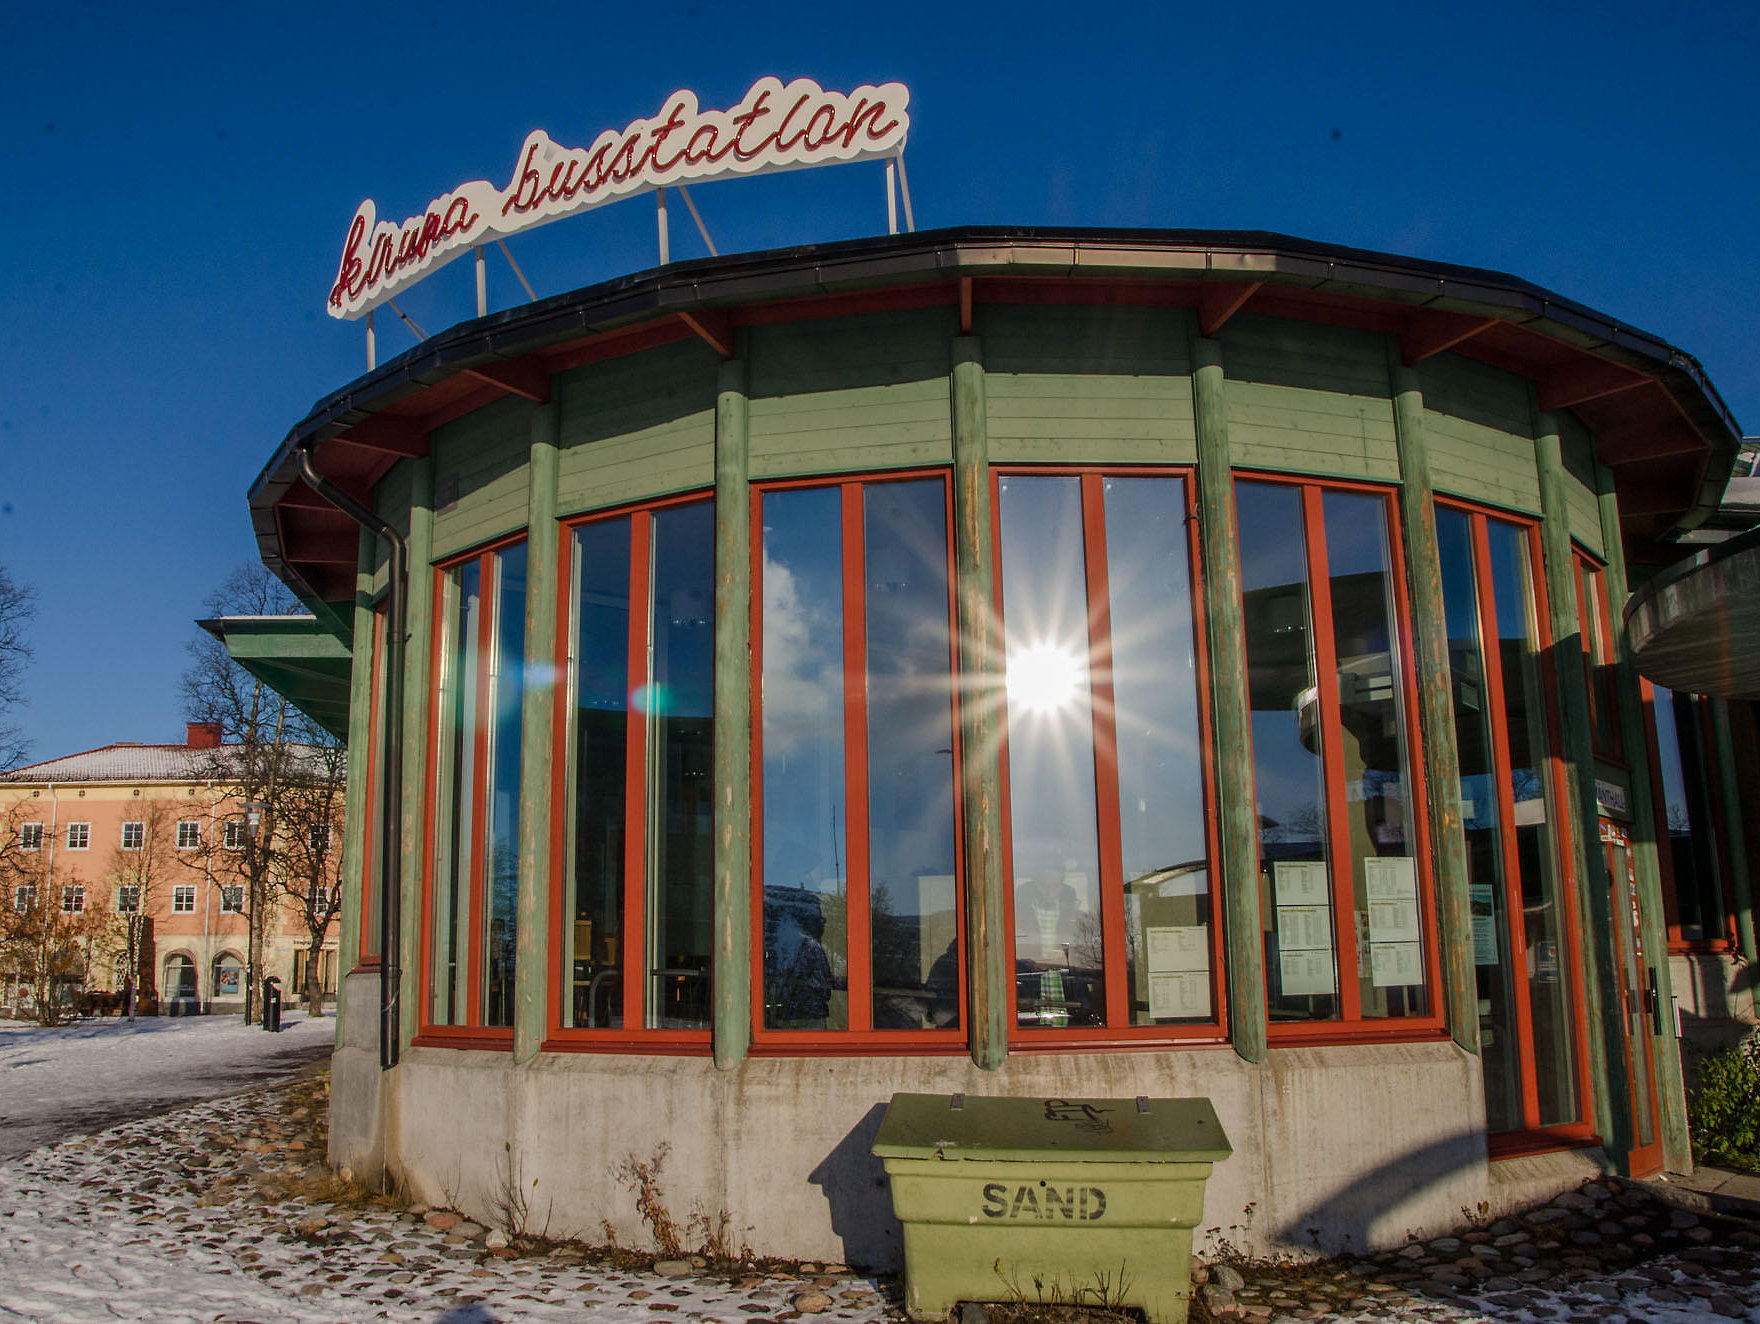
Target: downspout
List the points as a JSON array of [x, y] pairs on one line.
[[390, 851]]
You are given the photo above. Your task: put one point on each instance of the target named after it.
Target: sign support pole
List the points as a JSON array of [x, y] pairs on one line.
[[665, 245], [891, 199], [696, 216], [372, 349], [482, 284], [904, 189]]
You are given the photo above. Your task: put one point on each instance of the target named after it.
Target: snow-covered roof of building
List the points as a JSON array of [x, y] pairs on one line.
[[129, 762]]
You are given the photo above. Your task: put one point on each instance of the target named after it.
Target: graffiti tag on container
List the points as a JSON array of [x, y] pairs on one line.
[[1076, 1204], [1085, 1116]]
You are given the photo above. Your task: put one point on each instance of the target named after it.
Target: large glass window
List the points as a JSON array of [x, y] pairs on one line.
[[373, 829], [1601, 684], [474, 872], [1523, 955], [1343, 872], [858, 857], [638, 876], [1692, 880], [1113, 912]]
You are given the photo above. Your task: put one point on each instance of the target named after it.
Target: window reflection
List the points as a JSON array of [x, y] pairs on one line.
[[456, 704], [506, 688]]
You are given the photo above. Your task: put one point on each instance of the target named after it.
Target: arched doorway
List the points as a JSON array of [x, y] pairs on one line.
[[228, 977], [180, 998]]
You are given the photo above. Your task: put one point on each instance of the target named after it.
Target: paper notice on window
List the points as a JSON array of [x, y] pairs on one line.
[[1304, 928], [1179, 994], [1302, 973], [1392, 886], [1299, 882], [1484, 923], [1396, 964], [1177, 949]]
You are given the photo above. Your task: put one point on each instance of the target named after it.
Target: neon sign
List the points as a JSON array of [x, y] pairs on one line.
[[775, 126]]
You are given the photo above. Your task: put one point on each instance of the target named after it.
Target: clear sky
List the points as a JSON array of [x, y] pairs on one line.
[[179, 179]]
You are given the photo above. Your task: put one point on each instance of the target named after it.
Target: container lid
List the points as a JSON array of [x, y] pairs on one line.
[[1140, 1130]]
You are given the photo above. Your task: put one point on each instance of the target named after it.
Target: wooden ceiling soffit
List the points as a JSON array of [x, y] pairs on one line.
[[965, 305], [389, 434], [714, 326], [1429, 332], [1590, 378], [1644, 440], [516, 377], [299, 497], [1219, 302]]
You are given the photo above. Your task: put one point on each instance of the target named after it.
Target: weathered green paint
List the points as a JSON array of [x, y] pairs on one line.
[[1671, 1101], [1230, 706], [990, 996], [416, 700], [733, 720], [1581, 830], [354, 824], [1578, 449], [1442, 781], [537, 741], [480, 476], [1478, 429], [1729, 792]]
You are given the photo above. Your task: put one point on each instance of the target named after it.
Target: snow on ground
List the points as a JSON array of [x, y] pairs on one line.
[[73, 1079]]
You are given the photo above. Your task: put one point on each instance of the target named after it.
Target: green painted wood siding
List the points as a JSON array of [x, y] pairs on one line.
[[851, 393], [480, 487], [1307, 398], [391, 504], [1478, 425], [637, 427], [1579, 484], [1077, 384]]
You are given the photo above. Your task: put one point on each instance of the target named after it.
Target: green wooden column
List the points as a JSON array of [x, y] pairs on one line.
[[1581, 831], [1230, 705], [733, 719], [537, 737], [1741, 885], [1441, 772], [1671, 1101], [360, 719], [416, 701], [990, 998]]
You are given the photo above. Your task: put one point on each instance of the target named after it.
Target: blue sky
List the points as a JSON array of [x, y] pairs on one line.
[[179, 180]]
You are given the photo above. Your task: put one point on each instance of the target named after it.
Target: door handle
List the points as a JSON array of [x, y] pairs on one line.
[[1653, 1000]]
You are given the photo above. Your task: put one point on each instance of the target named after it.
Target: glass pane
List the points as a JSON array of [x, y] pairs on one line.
[[1492, 964], [593, 942], [456, 759], [1160, 752], [804, 821], [1295, 885], [1372, 741], [1056, 855], [679, 703], [506, 688], [373, 830], [1543, 917], [1691, 846], [913, 902]]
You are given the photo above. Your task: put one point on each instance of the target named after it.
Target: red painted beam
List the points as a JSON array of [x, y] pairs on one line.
[[1590, 378], [389, 433], [965, 305], [1643, 441], [714, 326], [516, 377], [1218, 303], [1428, 333]]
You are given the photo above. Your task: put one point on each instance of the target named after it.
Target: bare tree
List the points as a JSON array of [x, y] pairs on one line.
[[264, 761], [50, 924], [17, 608], [311, 877], [135, 876]]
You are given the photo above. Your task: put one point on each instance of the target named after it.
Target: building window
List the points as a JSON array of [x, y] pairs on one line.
[[133, 835], [228, 975], [1342, 854], [128, 899], [318, 838], [1113, 916], [30, 836], [637, 870], [1523, 953], [24, 898], [320, 899], [232, 899], [183, 899], [79, 836], [180, 978], [858, 851], [189, 834], [233, 834], [474, 847], [1601, 682], [73, 900], [1689, 822], [372, 863]]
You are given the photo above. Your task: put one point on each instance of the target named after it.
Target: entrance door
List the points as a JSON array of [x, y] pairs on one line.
[[1640, 1001]]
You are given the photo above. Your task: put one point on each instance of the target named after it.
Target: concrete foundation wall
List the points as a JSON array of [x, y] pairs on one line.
[[356, 1127], [1338, 1148]]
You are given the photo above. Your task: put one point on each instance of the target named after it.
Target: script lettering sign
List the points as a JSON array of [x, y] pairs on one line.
[[775, 126]]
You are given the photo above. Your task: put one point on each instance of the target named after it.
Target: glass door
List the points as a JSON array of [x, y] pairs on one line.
[[1640, 1000]]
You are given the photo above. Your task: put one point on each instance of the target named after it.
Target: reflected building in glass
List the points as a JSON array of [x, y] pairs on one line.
[[1052, 664]]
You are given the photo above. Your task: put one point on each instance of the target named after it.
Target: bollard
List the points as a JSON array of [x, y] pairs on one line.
[[272, 1005]]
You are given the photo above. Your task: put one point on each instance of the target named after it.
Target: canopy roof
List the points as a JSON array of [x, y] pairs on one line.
[[299, 657]]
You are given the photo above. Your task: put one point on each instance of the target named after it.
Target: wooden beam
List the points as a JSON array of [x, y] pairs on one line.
[[714, 326], [1589, 378], [390, 433], [1217, 303], [965, 305], [1429, 332], [1641, 442], [516, 377]]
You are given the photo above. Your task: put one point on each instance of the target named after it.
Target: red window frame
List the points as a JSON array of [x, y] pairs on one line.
[[1350, 1026], [1532, 1138], [859, 981], [569, 1038], [1118, 1031], [369, 956], [473, 1033], [1725, 941]]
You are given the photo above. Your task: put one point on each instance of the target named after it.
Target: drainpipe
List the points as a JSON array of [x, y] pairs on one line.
[[390, 851]]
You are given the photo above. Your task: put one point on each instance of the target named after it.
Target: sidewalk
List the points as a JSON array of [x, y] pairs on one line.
[[1711, 1190]]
